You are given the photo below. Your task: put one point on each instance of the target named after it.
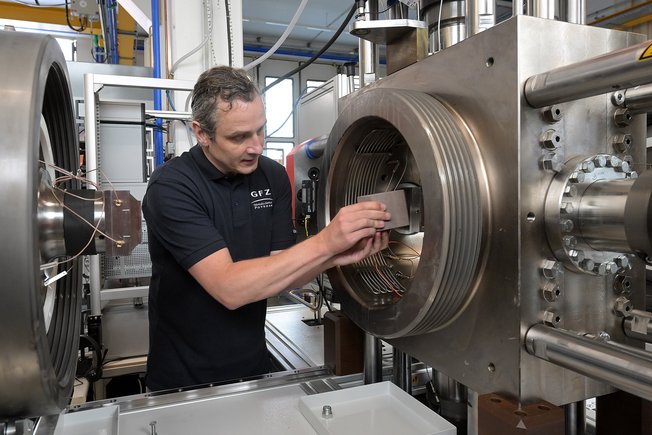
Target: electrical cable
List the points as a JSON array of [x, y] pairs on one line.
[[316, 55], [81, 29], [209, 12], [281, 40], [36, 4]]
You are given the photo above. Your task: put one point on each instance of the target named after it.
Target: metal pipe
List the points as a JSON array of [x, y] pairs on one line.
[[402, 370], [480, 15], [446, 28], [618, 69], [367, 50], [159, 153], [639, 325], [541, 8], [373, 362], [576, 11], [624, 367], [638, 99], [575, 418]]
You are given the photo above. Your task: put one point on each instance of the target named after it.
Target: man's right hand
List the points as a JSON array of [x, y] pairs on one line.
[[352, 224]]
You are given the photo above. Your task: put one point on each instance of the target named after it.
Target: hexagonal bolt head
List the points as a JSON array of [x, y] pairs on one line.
[[551, 269], [613, 161], [588, 167], [622, 284], [622, 166], [566, 225], [622, 117], [551, 291], [552, 113], [566, 207], [622, 262], [550, 140], [623, 306], [605, 268], [570, 241], [604, 336], [576, 177], [576, 255], [618, 98], [570, 190], [552, 162], [551, 318], [600, 161], [632, 174], [622, 143], [587, 264]]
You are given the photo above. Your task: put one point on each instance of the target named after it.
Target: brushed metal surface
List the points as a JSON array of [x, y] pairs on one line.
[[481, 79], [37, 367]]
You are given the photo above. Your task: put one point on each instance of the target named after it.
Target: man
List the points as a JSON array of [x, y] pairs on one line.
[[221, 241]]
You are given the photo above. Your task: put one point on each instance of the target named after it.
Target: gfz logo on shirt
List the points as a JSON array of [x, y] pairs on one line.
[[261, 199]]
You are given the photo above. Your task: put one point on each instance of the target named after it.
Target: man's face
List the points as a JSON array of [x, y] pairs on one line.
[[239, 137]]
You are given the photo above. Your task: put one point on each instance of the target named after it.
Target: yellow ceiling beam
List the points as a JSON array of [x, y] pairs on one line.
[[126, 23]]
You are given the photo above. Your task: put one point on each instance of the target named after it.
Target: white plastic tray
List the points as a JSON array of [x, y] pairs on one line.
[[377, 409]]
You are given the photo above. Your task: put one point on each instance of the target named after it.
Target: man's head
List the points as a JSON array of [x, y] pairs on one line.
[[228, 119]]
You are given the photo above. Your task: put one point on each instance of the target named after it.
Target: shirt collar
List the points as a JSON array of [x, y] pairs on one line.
[[209, 169]]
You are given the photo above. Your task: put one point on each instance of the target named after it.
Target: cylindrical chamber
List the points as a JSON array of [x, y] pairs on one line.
[[367, 50], [446, 27], [480, 15], [575, 11], [541, 8], [602, 215]]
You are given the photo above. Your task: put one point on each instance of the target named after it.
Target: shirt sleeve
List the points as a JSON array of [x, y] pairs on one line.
[[176, 216], [283, 232]]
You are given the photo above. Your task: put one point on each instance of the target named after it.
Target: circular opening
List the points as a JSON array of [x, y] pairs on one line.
[[557, 319], [557, 112], [628, 308], [628, 141], [491, 367], [490, 62], [627, 283], [543, 407], [520, 413], [496, 400], [557, 139], [531, 217], [381, 161], [557, 292], [628, 116]]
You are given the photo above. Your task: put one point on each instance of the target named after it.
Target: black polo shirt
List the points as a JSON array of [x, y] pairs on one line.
[[193, 210]]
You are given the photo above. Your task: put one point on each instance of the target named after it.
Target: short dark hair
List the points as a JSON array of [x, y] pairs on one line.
[[219, 84]]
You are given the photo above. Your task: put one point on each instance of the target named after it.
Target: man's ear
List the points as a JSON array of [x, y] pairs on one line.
[[202, 137]]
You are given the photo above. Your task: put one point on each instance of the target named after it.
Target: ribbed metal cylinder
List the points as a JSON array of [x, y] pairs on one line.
[[385, 140]]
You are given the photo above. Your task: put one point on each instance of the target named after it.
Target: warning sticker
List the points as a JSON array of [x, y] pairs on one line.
[[647, 53]]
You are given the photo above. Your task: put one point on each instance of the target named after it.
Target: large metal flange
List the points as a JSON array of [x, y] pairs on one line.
[[39, 315], [571, 199]]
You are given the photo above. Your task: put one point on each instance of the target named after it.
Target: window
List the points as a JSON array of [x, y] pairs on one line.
[[279, 108], [278, 150]]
